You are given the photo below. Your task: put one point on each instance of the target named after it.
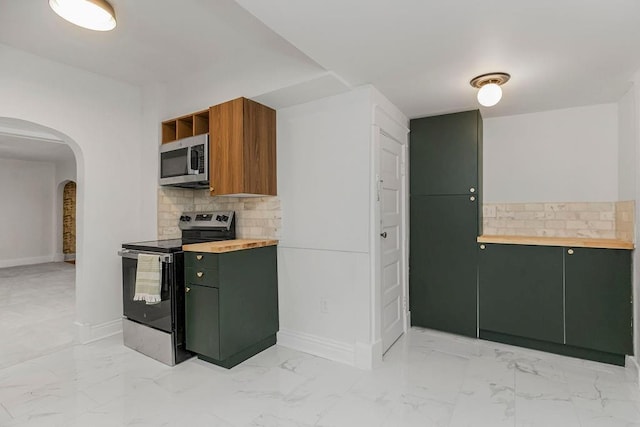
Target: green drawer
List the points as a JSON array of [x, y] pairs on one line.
[[200, 260], [201, 276]]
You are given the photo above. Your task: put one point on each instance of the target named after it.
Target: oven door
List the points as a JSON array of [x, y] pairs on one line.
[[155, 315]]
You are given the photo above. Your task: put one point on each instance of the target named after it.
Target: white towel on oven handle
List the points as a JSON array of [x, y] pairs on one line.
[[148, 279]]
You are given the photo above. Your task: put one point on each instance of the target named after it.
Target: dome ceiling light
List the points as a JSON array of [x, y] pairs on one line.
[[489, 84], [97, 15]]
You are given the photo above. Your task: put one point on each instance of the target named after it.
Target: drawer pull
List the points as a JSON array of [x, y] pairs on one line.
[[482, 246], [198, 257], [199, 274], [570, 251]]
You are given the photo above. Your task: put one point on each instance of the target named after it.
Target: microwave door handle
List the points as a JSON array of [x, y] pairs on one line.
[[190, 170], [193, 166], [195, 161]]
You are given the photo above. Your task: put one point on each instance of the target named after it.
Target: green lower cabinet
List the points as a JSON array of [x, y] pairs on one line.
[[598, 299], [521, 291], [231, 304], [202, 321], [443, 266], [572, 301]]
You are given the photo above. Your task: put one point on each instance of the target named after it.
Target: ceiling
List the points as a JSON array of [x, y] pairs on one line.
[[420, 54]]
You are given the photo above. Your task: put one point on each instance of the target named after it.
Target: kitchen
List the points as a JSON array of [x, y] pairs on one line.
[[114, 208]]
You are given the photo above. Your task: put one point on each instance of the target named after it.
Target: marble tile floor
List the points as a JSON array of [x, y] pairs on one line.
[[427, 379], [37, 310]]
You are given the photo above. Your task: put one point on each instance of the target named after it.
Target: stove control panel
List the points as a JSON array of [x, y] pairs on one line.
[[206, 220]]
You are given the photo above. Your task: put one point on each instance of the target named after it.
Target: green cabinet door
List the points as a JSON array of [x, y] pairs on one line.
[[445, 154], [521, 291], [443, 263], [202, 320], [598, 299]]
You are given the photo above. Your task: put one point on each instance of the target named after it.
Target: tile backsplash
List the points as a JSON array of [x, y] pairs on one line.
[[605, 220], [256, 217], [625, 220]]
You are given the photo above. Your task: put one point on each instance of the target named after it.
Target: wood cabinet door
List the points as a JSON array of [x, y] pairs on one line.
[[202, 320], [521, 291], [226, 148], [443, 263], [444, 154], [242, 148], [598, 299]]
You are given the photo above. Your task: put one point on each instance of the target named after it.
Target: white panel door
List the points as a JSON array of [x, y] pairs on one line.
[[392, 239]]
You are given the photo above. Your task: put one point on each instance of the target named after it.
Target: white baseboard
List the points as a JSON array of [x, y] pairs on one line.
[[632, 365], [368, 356], [58, 257], [86, 333], [318, 346], [26, 261]]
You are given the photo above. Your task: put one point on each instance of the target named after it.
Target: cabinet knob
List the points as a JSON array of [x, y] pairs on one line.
[[211, 189], [187, 289], [472, 190], [383, 235], [198, 257], [482, 246], [472, 198], [199, 274], [570, 251]]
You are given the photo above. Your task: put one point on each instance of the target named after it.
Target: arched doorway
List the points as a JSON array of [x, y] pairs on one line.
[[47, 162], [69, 222]]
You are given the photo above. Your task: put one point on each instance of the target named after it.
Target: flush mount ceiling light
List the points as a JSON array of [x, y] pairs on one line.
[[97, 15], [490, 92]]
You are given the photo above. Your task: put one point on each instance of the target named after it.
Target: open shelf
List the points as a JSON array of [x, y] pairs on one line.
[[185, 126]]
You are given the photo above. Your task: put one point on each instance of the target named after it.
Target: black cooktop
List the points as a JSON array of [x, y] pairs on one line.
[[165, 246]]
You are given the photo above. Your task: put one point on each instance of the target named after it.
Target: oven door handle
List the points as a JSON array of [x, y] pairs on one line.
[[128, 253]]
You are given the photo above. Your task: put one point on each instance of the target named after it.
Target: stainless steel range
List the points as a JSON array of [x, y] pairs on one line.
[[158, 329]]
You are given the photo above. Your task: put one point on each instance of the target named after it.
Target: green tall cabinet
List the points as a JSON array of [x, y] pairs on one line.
[[445, 210]]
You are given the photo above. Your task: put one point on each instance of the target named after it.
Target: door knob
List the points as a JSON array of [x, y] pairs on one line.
[[187, 289], [383, 235], [570, 251], [472, 190], [472, 198], [198, 257], [199, 273]]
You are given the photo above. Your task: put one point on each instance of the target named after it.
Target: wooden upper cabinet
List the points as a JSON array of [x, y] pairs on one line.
[[242, 148]]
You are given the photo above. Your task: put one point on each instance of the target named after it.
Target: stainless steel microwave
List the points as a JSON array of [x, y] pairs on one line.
[[185, 162]]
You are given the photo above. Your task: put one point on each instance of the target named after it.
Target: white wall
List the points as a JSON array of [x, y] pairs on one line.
[[627, 150], [567, 155], [101, 120], [27, 200], [323, 185], [325, 255], [630, 184]]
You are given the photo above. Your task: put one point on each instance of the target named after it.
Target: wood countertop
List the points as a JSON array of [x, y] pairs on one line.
[[576, 242], [229, 245]]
